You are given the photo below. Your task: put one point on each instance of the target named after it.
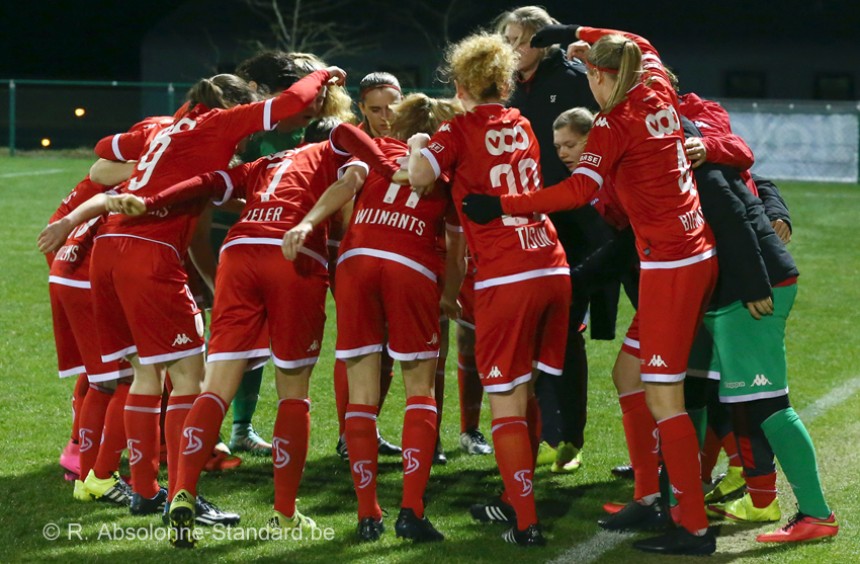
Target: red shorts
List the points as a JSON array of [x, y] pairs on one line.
[[142, 303], [77, 347], [263, 300], [375, 297], [631, 339], [467, 299], [672, 303], [519, 327]]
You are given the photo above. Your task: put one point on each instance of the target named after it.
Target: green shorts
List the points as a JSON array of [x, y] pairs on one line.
[[751, 353], [704, 361]]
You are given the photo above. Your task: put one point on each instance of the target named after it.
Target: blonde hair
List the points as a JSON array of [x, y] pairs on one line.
[[483, 65], [578, 120], [617, 54], [531, 18], [337, 103], [418, 113]]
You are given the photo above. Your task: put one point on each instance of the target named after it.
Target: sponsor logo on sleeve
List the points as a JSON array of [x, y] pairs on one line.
[[590, 159], [436, 147]]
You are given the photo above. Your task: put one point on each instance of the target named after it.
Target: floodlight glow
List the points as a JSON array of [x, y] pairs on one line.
[[46, 142], [80, 112]]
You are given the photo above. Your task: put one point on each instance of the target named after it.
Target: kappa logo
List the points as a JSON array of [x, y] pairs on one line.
[[195, 443], [658, 361], [760, 380], [433, 340], [445, 127], [280, 456], [436, 147], [494, 373], [412, 464], [85, 440], [365, 475], [134, 455], [524, 478], [181, 339], [601, 122], [315, 346]]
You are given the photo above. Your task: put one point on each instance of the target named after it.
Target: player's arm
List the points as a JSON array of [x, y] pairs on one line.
[[775, 207], [55, 234], [121, 147], [111, 173], [349, 138], [333, 199], [422, 173], [455, 270]]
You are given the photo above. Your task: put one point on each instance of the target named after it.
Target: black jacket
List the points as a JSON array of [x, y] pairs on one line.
[[774, 206]]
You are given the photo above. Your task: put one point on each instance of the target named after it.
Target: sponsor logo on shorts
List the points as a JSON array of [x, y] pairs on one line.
[[735, 385], [315, 346], [134, 455], [181, 339], [364, 474], [524, 478], [280, 456], [658, 361], [195, 443], [494, 373], [409, 458], [760, 380]]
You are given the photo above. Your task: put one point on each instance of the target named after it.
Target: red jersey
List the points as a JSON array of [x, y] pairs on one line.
[[200, 141], [392, 222], [639, 143], [488, 150]]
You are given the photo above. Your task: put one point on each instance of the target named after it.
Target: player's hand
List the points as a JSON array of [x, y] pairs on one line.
[[696, 151], [418, 141], [337, 75], [482, 208], [554, 34], [401, 177], [759, 308], [578, 50], [783, 231], [450, 307], [54, 235], [294, 239], [127, 204]]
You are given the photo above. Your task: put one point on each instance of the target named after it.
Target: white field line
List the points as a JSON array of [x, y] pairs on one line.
[[32, 173], [604, 541]]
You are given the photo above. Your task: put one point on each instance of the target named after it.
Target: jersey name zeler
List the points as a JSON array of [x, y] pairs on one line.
[[396, 219], [534, 237], [265, 215]]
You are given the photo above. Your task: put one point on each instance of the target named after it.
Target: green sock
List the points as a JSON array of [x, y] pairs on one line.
[[795, 452], [699, 418], [245, 402]]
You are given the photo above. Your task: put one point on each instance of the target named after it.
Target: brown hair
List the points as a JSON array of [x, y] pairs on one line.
[[622, 58], [418, 113], [221, 91], [483, 65], [579, 120], [531, 18]]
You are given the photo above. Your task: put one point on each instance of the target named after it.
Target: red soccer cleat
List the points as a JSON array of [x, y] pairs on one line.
[[70, 460], [613, 507], [221, 461], [803, 528]]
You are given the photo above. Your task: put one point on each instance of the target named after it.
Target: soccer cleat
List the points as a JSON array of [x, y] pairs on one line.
[[81, 493], [546, 454], [568, 458], [473, 442], [409, 526], [370, 529], [636, 517], [221, 461], [146, 506], [298, 521], [496, 511], [70, 458], [679, 541], [388, 449], [532, 536], [340, 448], [208, 514], [439, 455], [624, 471], [613, 507], [181, 515], [729, 486], [744, 511], [803, 528], [246, 439], [112, 489]]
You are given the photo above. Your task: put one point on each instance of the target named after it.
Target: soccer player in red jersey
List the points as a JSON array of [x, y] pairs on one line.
[[143, 309], [522, 287], [263, 301], [638, 141], [388, 296]]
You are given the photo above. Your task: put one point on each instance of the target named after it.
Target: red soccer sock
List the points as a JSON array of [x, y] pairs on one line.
[[198, 438], [78, 395], [341, 393], [535, 426], [439, 394], [471, 392], [91, 424], [386, 375], [514, 458], [730, 445], [709, 454], [113, 437], [419, 444], [680, 449], [289, 451], [142, 414], [174, 424], [642, 443], [762, 489], [360, 432]]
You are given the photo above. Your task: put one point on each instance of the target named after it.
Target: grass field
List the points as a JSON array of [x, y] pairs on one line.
[[824, 358]]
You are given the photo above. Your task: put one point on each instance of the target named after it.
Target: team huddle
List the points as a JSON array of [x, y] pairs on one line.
[[432, 210]]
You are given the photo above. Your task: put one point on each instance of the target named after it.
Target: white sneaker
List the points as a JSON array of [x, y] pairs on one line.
[[473, 442]]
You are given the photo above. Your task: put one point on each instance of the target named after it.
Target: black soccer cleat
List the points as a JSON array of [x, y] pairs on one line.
[[496, 511], [532, 536], [384, 448], [208, 514], [409, 526], [340, 448], [679, 541], [624, 471], [370, 529], [146, 506], [637, 517]]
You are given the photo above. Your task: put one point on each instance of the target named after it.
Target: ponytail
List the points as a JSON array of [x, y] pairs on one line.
[[221, 91], [616, 55]]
